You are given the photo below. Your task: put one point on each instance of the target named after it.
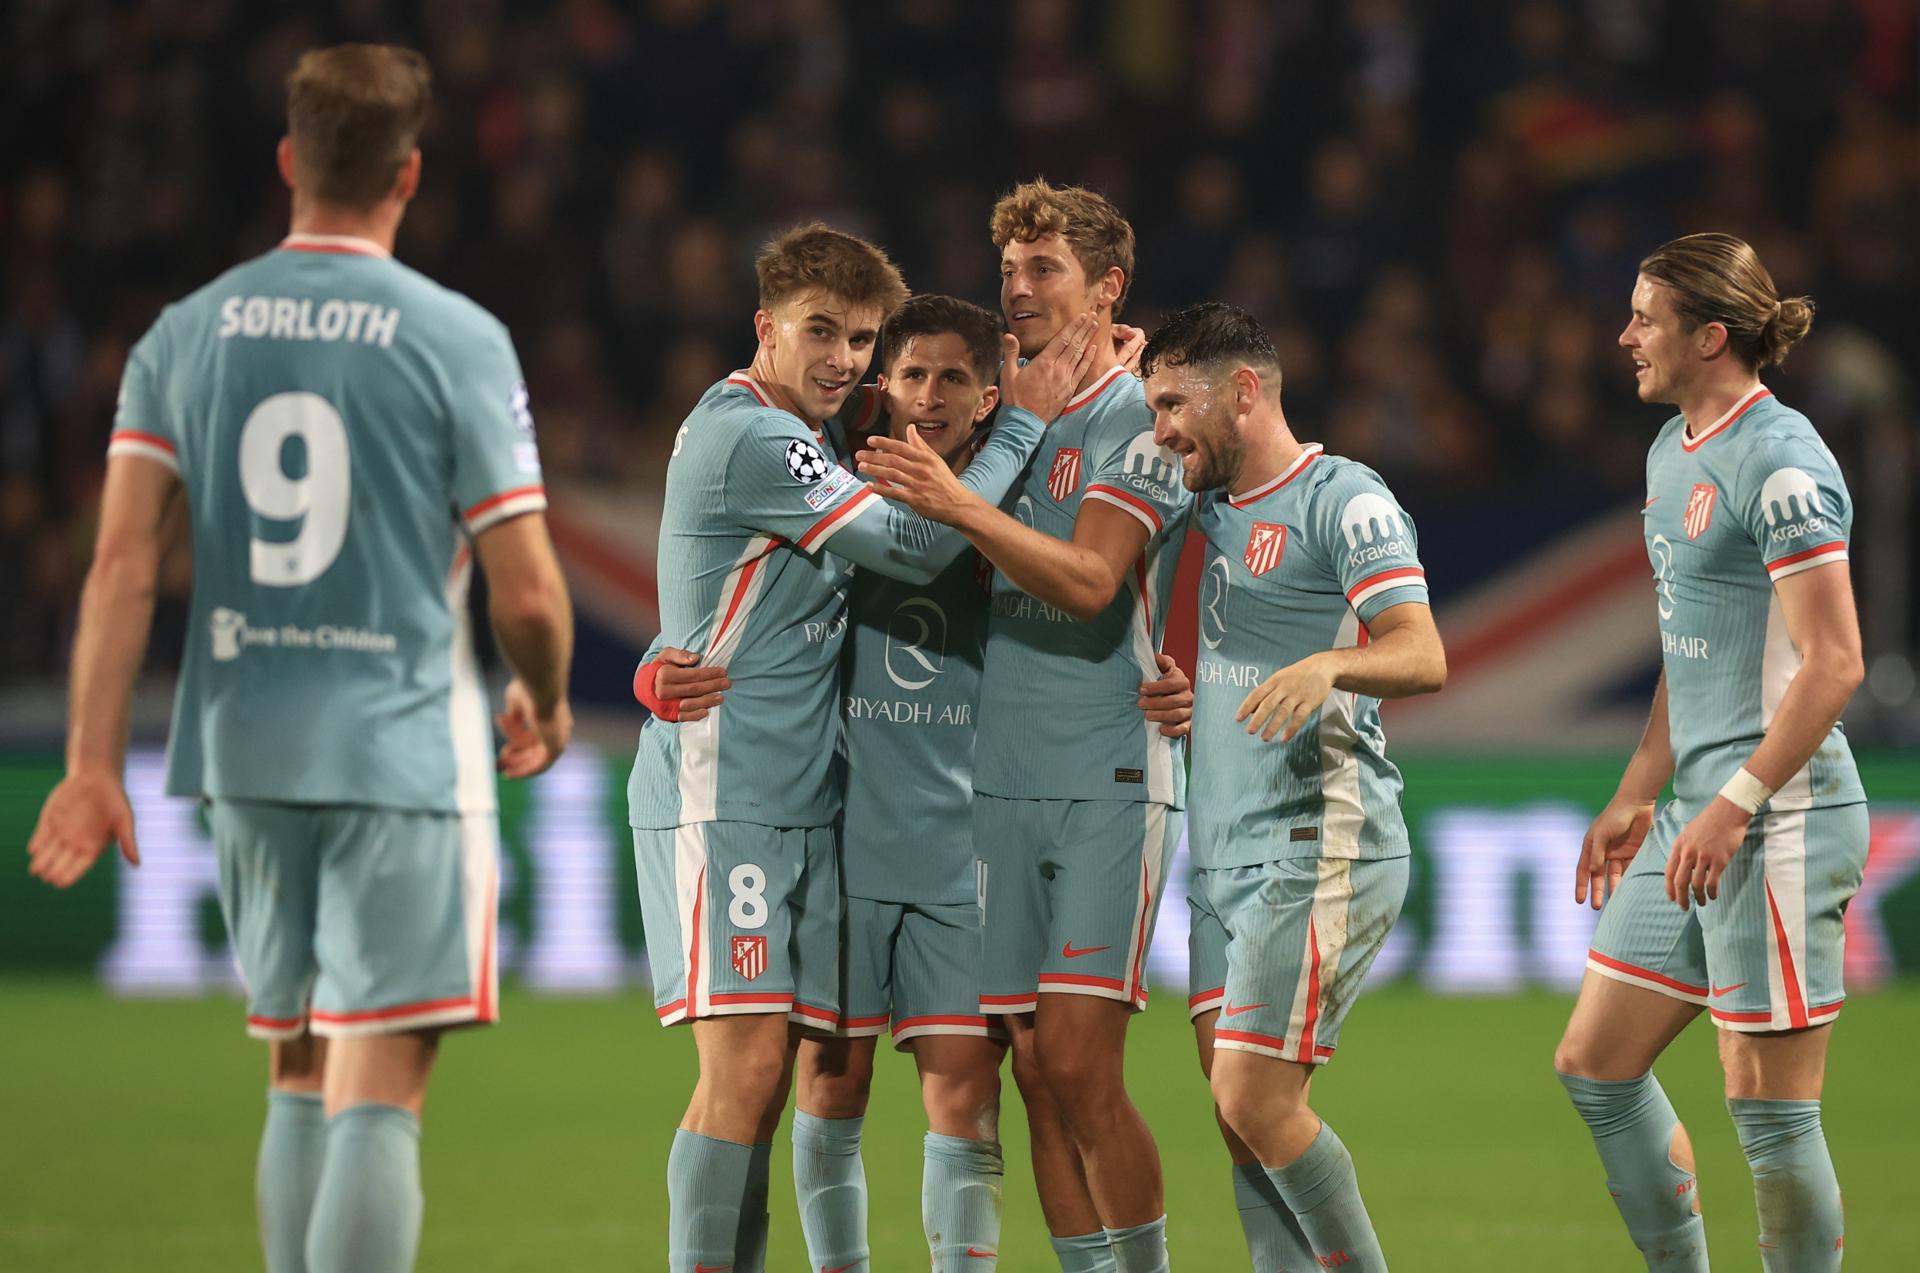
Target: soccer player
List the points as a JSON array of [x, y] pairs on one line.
[[910, 674], [344, 438], [733, 813], [1728, 897], [1076, 798]]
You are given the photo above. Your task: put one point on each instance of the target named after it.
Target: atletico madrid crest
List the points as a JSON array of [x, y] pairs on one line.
[[1064, 479], [1264, 546], [749, 956], [1700, 509]]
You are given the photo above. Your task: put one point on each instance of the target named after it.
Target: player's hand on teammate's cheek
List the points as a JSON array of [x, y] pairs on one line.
[[1047, 382], [1281, 704], [1168, 701], [1702, 851], [1128, 344]]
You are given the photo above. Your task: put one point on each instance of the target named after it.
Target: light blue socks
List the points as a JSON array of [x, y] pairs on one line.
[[293, 1149], [366, 1213], [1632, 1124], [1084, 1253], [960, 1203], [750, 1239], [1140, 1248], [1794, 1188], [1274, 1240], [1319, 1187], [706, 1180], [830, 1183]]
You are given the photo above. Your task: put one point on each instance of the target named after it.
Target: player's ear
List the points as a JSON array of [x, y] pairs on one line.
[[1107, 291], [1246, 390], [1712, 339], [763, 326], [407, 184], [988, 401], [283, 159]]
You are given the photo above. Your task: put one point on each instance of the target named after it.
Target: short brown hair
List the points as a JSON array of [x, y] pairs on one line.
[[1717, 278], [936, 315], [355, 112], [1100, 237], [817, 256]]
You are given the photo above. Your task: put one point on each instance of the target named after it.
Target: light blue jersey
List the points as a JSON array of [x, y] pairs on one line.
[[1059, 718], [1755, 498], [343, 426], [761, 530], [1297, 566]]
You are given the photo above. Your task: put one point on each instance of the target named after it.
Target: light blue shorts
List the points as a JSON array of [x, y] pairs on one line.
[[916, 968]]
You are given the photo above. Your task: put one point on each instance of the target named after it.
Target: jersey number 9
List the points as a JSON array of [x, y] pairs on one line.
[[319, 502]]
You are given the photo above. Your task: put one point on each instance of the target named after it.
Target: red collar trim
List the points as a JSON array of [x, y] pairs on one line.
[[1093, 390], [1293, 470], [344, 244], [1725, 422]]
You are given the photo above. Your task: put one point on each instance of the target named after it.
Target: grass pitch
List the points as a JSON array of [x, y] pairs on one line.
[[128, 1129]]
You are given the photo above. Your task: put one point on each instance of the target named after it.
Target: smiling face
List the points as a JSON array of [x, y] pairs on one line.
[[1043, 287], [818, 347], [931, 383], [1193, 416], [1664, 353]]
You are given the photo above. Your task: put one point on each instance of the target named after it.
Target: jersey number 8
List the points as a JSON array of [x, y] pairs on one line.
[[319, 502]]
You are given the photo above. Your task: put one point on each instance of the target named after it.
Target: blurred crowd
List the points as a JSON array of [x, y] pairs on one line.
[[1437, 207]]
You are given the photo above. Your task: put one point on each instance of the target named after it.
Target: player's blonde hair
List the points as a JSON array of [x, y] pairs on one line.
[[1717, 278], [1100, 237], [818, 257], [355, 112]]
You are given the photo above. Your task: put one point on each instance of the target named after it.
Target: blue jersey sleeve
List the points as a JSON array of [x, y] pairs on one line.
[[1376, 555], [496, 463], [142, 424], [1794, 503], [1138, 476]]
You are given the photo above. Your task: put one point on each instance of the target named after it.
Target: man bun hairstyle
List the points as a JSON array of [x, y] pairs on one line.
[[1210, 335], [1717, 278], [817, 257], [355, 112], [1100, 237], [934, 315]]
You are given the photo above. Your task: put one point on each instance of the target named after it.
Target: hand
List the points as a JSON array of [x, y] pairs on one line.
[[1608, 849], [1702, 850], [912, 473], [1128, 344], [82, 813], [534, 741], [1287, 698], [1168, 701], [696, 689], [1047, 383]]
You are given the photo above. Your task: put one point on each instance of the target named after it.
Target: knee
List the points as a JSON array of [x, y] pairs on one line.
[[1081, 1083], [842, 1095], [1246, 1105], [971, 1101]]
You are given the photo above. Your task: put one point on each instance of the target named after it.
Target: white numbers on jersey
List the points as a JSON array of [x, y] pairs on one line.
[[748, 884], [320, 501]]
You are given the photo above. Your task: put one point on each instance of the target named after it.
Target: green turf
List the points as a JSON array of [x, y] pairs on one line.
[[127, 1134]]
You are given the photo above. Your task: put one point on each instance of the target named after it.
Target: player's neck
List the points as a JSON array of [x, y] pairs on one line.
[[761, 369], [1705, 403], [1105, 362], [376, 225], [1271, 450]]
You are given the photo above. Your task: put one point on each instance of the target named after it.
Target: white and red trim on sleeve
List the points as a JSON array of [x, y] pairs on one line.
[[1807, 559], [1293, 470], [836, 519], [1127, 502], [1385, 581], [498, 508], [343, 244], [148, 446], [1725, 422]]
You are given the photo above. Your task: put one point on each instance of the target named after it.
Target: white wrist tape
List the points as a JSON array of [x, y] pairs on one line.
[[1746, 790]]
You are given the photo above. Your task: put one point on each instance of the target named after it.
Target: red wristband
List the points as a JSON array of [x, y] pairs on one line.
[[645, 678]]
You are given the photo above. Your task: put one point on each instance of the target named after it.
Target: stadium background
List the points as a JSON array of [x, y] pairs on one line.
[[1437, 210]]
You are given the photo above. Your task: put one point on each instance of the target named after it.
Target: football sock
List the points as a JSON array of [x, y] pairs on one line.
[[830, 1183], [1084, 1253], [1274, 1239], [366, 1213], [706, 1180], [293, 1149], [1142, 1248], [1794, 1188], [960, 1202], [1632, 1124], [750, 1239], [1319, 1187]]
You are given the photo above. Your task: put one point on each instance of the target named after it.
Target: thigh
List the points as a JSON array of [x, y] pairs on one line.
[[406, 923], [1301, 934], [1014, 906], [1776, 936], [1643, 938], [936, 984], [1108, 866], [269, 894]]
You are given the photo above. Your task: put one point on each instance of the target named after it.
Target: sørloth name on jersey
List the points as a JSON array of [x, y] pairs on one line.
[[284, 318]]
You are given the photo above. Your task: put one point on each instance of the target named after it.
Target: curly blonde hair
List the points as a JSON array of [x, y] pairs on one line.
[[1100, 237]]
